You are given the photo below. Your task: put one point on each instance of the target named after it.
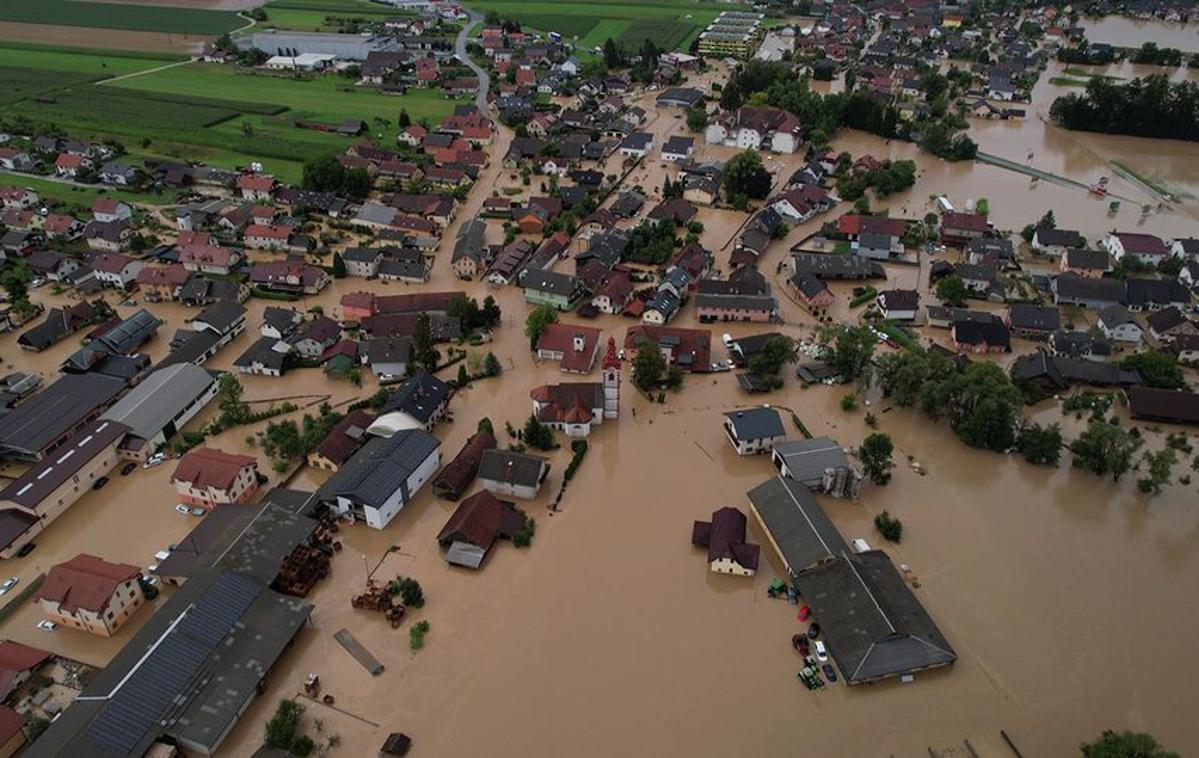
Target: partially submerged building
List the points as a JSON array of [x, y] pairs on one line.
[[383, 477], [724, 538], [820, 465], [475, 525], [874, 625]]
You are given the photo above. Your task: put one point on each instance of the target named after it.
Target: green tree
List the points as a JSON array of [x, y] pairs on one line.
[[491, 365], [612, 56], [744, 174], [281, 729], [538, 321], [1104, 448], [1041, 445], [424, 354], [1159, 465], [891, 528], [1126, 745], [1156, 369], [15, 280], [778, 350], [648, 366], [323, 174], [356, 184], [848, 349], [339, 266], [463, 378], [697, 119], [409, 590], [491, 313], [229, 392], [405, 119], [952, 290], [875, 454], [538, 435]]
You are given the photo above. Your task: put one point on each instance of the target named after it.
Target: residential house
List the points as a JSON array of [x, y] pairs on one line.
[[108, 209], [899, 305], [980, 337], [960, 228], [161, 284], [1033, 321], [90, 594], [575, 347], [1145, 248], [293, 277], [750, 128], [382, 477], [1057, 242], [1077, 344], [677, 148], [206, 477], [387, 357], [689, 349], [1072, 289], [1092, 264], [545, 287], [342, 441], [724, 538], [315, 337], [1168, 324], [267, 356], [61, 226], [59, 324], [209, 259], [109, 237], [637, 144], [51, 265], [1118, 325], [418, 403], [116, 270], [511, 474], [753, 431], [256, 186]]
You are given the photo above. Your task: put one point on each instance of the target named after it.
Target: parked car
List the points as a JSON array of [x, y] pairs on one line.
[[198, 512], [26, 549], [181, 508], [804, 613], [99, 483], [128, 468], [8, 584], [156, 460], [47, 626], [830, 673], [821, 652]]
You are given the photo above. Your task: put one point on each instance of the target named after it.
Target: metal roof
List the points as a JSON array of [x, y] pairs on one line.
[[160, 398], [55, 411], [381, 468], [806, 460], [798, 527]]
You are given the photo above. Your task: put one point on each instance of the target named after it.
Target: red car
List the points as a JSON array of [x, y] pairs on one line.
[[804, 613]]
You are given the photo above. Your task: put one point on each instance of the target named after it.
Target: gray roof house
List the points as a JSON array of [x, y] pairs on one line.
[[506, 472], [162, 404], [383, 477], [820, 464], [754, 430]]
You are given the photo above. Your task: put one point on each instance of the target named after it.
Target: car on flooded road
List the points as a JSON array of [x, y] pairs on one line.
[[8, 584], [128, 468], [47, 626]]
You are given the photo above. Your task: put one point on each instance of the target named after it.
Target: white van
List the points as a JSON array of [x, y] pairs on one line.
[[860, 546]]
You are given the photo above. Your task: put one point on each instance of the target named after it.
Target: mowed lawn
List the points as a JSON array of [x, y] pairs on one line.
[[101, 64], [100, 15]]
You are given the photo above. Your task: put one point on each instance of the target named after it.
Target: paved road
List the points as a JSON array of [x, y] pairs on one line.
[[462, 55]]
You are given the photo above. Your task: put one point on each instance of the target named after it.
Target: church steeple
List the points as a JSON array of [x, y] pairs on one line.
[[611, 367]]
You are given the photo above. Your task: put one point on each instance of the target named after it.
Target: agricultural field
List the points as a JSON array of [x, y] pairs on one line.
[[326, 15], [101, 15], [207, 112], [670, 23]]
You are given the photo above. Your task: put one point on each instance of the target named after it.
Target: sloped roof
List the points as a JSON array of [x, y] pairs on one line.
[[205, 467], [798, 527], [85, 581]]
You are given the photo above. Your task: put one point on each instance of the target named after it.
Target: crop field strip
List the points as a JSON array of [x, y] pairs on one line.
[[99, 15], [670, 24]]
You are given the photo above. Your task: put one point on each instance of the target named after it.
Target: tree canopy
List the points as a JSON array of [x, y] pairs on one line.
[[745, 175], [1104, 448], [1126, 745], [1149, 107]]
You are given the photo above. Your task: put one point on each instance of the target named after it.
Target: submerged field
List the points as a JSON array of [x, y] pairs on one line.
[[213, 113], [671, 24]]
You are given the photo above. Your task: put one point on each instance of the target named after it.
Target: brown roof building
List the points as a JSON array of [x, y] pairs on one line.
[[207, 478], [724, 537], [460, 472], [342, 442], [474, 527], [91, 594]]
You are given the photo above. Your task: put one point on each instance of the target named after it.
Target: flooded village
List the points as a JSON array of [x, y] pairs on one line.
[[811, 389]]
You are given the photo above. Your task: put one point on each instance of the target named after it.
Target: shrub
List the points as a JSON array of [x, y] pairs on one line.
[[524, 537], [849, 402], [281, 729], [890, 528], [416, 635]]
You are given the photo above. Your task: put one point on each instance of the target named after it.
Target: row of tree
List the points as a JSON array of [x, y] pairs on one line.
[[1149, 107]]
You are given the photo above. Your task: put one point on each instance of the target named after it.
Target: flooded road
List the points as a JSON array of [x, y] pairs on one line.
[[1066, 597]]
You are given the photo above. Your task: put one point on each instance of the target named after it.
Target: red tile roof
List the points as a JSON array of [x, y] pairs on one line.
[[86, 582], [560, 338], [205, 467]]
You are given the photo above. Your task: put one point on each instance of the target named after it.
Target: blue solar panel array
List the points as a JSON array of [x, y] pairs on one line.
[[143, 700]]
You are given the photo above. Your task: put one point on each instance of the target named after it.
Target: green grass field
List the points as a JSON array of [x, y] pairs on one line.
[[670, 23], [82, 197], [142, 18], [102, 63], [204, 112], [321, 15]]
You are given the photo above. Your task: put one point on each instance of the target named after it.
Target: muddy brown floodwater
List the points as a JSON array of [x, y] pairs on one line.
[[1066, 597]]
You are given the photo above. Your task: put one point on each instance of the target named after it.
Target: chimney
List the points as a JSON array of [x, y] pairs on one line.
[[578, 342]]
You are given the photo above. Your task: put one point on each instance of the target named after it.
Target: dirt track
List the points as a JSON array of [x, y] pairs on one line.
[[112, 39]]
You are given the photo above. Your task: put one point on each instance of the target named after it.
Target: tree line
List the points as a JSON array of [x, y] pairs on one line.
[[1149, 107]]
